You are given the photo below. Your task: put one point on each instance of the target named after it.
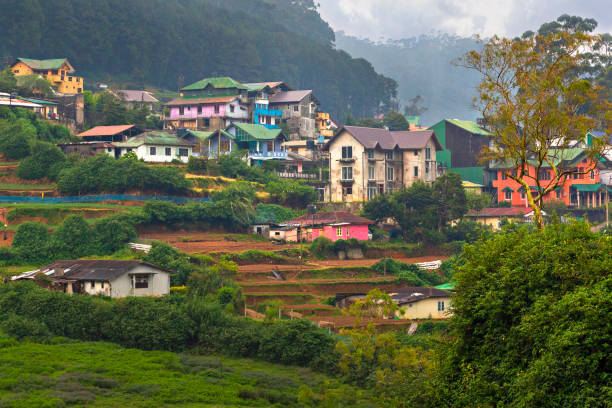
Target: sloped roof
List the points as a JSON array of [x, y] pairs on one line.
[[387, 140], [556, 155], [154, 138], [132, 95], [45, 64], [254, 86], [470, 126], [259, 132], [415, 139], [105, 130], [98, 270], [416, 294], [290, 96], [203, 101], [18, 102], [499, 212], [39, 101], [325, 218], [215, 82], [202, 136], [587, 188]]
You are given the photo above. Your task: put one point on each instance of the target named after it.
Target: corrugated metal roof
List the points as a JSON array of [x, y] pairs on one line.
[[290, 96], [588, 188], [259, 132], [18, 103], [44, 64], [499, 212], [334, 217], [131, 95], [105, 130], [215, 82], [203, 101], [470, 126], [98, 270], [154, 138]]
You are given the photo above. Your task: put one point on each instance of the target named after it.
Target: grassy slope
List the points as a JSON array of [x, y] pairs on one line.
[[96, 374]]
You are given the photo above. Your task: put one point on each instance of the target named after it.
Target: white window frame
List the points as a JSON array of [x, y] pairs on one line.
[[346, 172]]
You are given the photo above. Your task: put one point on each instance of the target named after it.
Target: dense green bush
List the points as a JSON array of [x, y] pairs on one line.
[[291, 193], [31, 242], [408, 273], [275, 213], [197, 165], [149, 323], [15, 138], [322, 248], [43, 158], [102, 173], [531, 324]]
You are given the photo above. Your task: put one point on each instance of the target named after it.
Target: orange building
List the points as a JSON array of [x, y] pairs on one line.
[[579, 190], [55, 71]]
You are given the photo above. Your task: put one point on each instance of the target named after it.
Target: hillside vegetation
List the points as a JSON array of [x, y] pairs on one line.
[[173, 43]]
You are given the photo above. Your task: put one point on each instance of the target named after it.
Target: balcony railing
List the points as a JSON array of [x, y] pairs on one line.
[[268, 112], [305, 176], [267, 155]]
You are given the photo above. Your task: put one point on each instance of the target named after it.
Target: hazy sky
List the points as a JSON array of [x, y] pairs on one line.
[[396, 19]]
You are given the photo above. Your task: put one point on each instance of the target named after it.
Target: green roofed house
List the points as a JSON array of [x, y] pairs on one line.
[[57, 71], [156, 147], [462, 141], [262, 143]]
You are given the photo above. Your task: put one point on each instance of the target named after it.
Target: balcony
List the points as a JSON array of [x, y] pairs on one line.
[[267, 155], [304, 176], [268, 112]]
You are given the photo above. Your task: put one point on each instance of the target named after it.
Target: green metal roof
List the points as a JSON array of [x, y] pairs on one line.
[[43, 64], [446, 286], [258, 132], [154, 138], [473, 174], [39, 101], [587, 188], [558, 156], [215, 82], [470, 126]]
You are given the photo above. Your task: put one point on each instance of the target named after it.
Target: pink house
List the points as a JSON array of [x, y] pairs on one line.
[[333, 225]]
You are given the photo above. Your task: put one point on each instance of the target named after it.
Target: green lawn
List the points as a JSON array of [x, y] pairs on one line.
[[95, 374], [27, 187]]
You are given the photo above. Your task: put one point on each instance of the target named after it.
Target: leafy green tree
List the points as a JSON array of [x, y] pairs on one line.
[[449, 195], [15, 137], [478, 201], [43, 157], [111, 235], [235, 204], [291, 193], [395, 121], [72, 239], [8, 83], [531, 314], [31, 241], [370, 122], [34, 85]]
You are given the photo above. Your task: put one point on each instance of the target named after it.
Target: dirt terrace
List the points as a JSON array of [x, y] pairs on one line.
[[194, 242]]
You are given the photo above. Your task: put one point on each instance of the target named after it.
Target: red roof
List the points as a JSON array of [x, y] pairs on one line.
[[105, 130], [500, 212], [337, 217]]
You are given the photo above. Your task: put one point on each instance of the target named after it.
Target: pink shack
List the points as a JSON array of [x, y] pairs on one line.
[[333, 225]]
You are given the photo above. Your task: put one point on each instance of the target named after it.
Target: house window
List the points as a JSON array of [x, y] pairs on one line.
[[371, 192], [168, 151], [69, 79], [544, 175], [440, 306], [347, 152], [206, 122], [390, 155], [232, 108], [296, 108], [141, 282], [183, 152], [199, 109], [504, 176], [508, 195], [55, 72], [347, 231], [592, 174], [181, 110], [426, 169], [92, 284], [338, 231], [78, 79], [152, 151], [102, 285], [416, 152], [371, 173], [270, 145], [347, 191], [216, 108], [347, 173], [427, 153], [390, 173], [16, 71], [416, 171], [370, 154], [522, 195], [79, 90]]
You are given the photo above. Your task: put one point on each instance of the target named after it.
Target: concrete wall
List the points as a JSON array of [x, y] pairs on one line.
[[335, 169], [144, 152], [359, 232], [208, 111], [419, 160], [426, 309], [159, 283]]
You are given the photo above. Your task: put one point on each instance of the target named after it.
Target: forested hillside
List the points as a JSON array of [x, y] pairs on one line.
[[169, 43], [422, 66]]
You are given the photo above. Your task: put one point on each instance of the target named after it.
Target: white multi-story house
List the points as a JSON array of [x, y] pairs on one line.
[[365, 162]]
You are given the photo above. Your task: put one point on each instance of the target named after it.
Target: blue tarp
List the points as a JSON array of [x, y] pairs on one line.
[[99, 197]]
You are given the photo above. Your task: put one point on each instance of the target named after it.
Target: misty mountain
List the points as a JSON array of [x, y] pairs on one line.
[[422, 66]]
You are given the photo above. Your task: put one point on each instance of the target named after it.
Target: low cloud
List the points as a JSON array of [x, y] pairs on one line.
[[396, 19]]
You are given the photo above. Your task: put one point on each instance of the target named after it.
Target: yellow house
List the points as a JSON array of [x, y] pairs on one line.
[[423, 303], [55, 71]]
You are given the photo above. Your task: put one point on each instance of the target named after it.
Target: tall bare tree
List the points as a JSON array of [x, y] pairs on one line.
[[537, 104]]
